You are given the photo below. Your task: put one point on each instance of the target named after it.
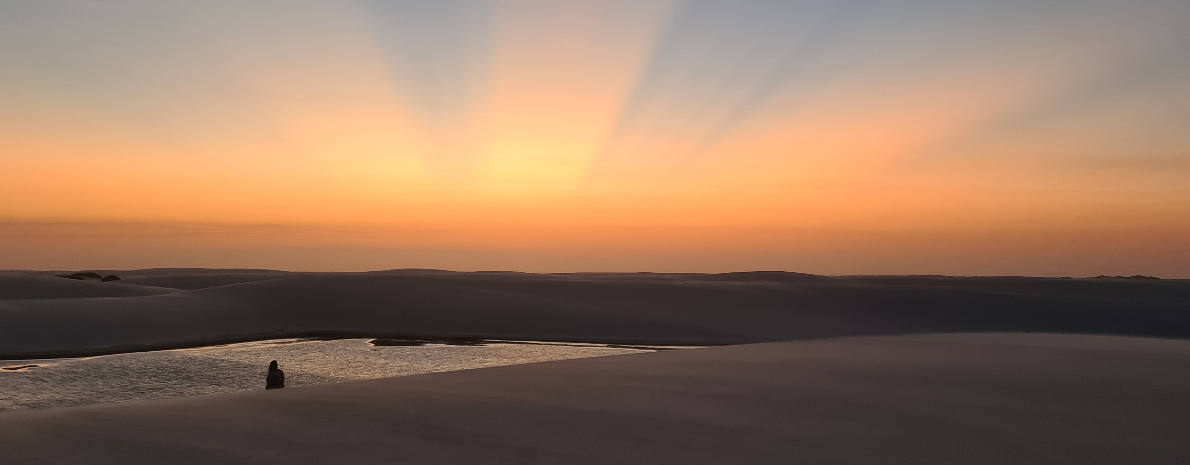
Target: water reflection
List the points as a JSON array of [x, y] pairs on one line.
[[35, 384]]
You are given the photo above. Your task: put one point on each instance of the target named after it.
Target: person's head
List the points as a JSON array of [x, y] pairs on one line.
[[273, 365]]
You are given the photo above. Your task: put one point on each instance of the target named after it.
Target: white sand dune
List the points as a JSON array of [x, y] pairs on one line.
[[999, 396], [200, 280], [16, 285], [935, 399], [207, 306]]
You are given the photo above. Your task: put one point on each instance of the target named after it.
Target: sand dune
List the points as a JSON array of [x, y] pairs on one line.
[[945, 399], [990, 397], [201, 281], [16, 285], [222, 305]]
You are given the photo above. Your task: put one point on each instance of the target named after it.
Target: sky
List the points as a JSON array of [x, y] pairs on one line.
[[1008, 137]]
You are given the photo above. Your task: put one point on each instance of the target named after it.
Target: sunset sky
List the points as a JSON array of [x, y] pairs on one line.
[[835, 137]]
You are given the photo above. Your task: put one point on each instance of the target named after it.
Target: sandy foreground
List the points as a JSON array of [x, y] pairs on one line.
[[877, 369], [945, 399], [42, 315]]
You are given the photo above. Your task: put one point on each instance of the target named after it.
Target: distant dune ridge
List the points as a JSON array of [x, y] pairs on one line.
[[43, 315]]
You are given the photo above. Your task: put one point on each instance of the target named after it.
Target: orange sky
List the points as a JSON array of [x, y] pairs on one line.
[[828, 137]]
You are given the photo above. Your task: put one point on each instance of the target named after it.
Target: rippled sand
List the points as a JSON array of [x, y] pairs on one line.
[[36, 384]]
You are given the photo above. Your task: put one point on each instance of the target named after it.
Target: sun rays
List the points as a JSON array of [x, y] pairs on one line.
[[529, 116]]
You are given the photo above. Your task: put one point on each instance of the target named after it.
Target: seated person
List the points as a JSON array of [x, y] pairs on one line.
[[276, 377]]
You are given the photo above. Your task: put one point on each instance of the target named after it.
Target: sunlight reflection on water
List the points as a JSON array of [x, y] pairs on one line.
[[36, 384]]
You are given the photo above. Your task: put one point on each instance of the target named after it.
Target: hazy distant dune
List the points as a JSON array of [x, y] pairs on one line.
[[191, 271], [200, 281], [761, 276], [1023, 284], [626, 308], [20, 285]]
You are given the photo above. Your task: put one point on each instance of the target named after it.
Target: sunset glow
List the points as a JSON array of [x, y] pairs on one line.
[[1012, 137]]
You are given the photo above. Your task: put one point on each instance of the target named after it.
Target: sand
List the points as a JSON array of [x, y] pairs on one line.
[[24, 286], [45, 316], [945, 399], [995, 389]]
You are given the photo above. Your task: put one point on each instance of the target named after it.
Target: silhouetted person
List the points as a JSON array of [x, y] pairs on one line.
[[276, 377]]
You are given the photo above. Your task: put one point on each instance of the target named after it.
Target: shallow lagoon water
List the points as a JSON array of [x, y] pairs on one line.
[[37, 384]]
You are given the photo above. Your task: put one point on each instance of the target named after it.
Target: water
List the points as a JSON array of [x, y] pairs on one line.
[[37, 384]]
